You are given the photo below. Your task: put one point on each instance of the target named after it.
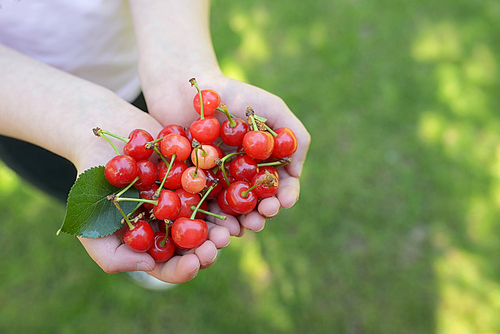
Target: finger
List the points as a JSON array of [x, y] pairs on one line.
[[207, 254], [253, 221], [269, 207], [179, 269], [219, 235], [231, 222], [289, 189], [113, 256]]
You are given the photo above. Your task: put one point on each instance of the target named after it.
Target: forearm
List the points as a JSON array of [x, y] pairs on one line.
[[174, 43], [57, 111]]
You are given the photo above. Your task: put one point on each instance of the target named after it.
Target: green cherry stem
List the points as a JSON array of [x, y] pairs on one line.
[[223, 108], [209, 213], [157, 192], [193, 215], [127, 187], [278, 163], [168, 223], [270, 130], [100, 133], [220, 163], [245, 193], [195, 84]]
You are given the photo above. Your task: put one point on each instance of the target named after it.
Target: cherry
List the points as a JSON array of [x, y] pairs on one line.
[[173, 180], [172, 128], [148, 174], [285, 143], [232, 135], [193, 180], [240, 197], [189, 233], [211, 101], [163, 247], [121, 170], [223, 205], [243, 168], [169, 205], [148, 194], [205, 130], [136, 145], [258, 144], [204, 156], [139, 236], [187, 200], [266, 183], [175, 144]]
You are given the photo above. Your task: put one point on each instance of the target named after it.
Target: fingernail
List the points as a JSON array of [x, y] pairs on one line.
[[143, 266], [274, 214]]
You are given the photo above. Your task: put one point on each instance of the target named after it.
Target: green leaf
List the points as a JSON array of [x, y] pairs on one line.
[[89, 213]]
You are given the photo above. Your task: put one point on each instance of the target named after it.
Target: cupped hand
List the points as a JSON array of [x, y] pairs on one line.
[[174, 105], [109, 252]]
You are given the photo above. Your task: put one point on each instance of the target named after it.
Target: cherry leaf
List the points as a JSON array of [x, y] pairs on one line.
[[89, 213]]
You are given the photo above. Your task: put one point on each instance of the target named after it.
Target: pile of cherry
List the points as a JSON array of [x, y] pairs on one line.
[[191, 169]]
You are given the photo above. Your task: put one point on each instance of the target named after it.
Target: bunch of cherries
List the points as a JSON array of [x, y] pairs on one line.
[[192, 169]]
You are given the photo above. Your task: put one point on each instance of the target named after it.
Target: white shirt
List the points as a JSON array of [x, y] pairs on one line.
[[92, 39]]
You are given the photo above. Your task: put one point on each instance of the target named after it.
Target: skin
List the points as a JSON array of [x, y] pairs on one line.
[[171, 51]]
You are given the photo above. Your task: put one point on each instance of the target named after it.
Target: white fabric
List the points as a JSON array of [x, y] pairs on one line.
[[92, 39]]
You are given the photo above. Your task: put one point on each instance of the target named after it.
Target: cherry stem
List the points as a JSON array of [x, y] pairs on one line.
[[244, 194], [209, 213], [168, 223], [193, 215], [130, 226], [152, 144], [157, 192], [101, 133], [195, 84], [220, 163], [223, 108], [127, 187], [278, 163], [270, 130]]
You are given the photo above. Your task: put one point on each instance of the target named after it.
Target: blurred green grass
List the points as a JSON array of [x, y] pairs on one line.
[[396, 230]]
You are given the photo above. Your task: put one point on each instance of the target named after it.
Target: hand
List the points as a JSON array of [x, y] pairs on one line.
[[174, 106], [109, 252]]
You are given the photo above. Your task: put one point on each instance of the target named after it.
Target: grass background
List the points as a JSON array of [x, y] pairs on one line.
[[397, 227]]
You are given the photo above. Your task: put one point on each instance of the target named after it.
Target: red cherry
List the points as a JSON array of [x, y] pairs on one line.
[[187, 200], [204, 156], [285, 143], [211, 100], [148, 174], [172, 128], [141, 237], [205, 130], [258, 144], [222, 202], [233, 135], [174, 143], [136, 146], [148, 194], [193, 181], [163, 247], [168, 207], [189, 233], [173, 180], [269, 186], [240, 198], [243, 168], [121, 170]]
